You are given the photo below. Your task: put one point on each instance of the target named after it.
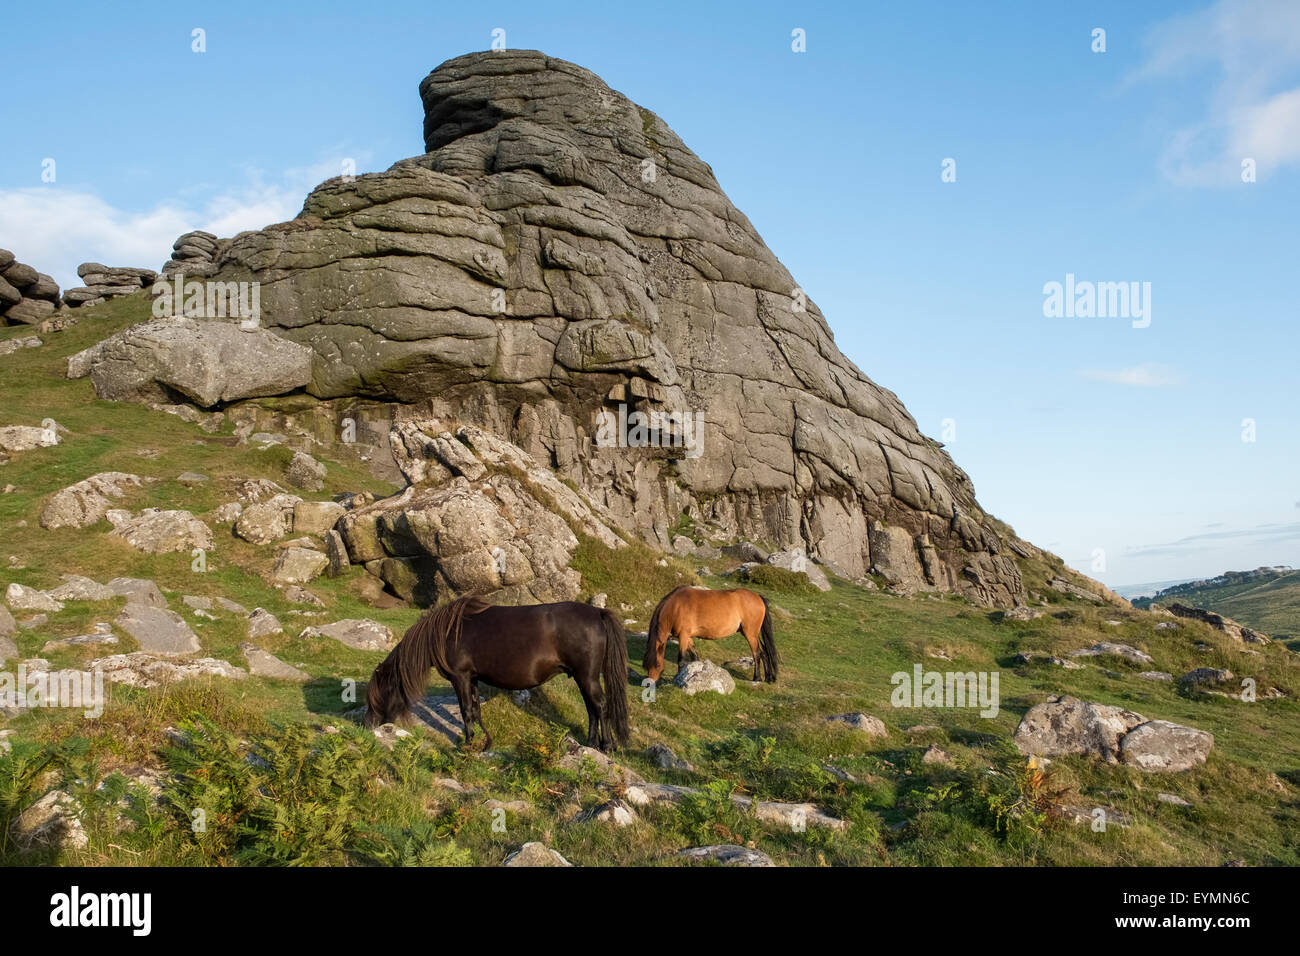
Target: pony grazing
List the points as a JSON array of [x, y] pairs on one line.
[[513, 648], [689, 612]]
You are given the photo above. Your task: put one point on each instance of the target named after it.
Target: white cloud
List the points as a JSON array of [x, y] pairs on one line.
[[1145, 375], [55, 229], [1250, 50]]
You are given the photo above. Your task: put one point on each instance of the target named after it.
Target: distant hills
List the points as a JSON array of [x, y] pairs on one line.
[[1267, 599]]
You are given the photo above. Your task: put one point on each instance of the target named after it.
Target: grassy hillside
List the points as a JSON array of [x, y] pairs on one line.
[[1266, 601], [285, 774]]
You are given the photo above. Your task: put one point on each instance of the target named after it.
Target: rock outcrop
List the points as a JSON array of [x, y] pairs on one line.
[[560, 270], [205, 362], [27, 297], [1064, 725], [1238, 632], [105, 282]]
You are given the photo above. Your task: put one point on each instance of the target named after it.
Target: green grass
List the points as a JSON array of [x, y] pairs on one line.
[[310, 796], [1268, 603]]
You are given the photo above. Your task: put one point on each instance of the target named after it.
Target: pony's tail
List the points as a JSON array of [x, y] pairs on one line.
[[614, 713], [767, 655]]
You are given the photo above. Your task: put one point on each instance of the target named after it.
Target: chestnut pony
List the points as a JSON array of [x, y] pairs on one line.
[[513, 648], [689, 612]]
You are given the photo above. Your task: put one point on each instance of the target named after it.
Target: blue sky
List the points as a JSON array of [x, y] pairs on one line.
[[1083, 433]]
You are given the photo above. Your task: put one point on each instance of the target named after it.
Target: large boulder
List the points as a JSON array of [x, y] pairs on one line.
[[86, 502], [158, 631], [1064, 725], [558, 262], [1165, 747], [154, 531], [205, 362]]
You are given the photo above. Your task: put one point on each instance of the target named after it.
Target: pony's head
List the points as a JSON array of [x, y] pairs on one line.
[[402, 675], [656, 641], [386, 700]]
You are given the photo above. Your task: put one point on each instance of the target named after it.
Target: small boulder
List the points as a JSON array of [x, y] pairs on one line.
[[158, 631], [697, 677], [298, 566], [726, 854], [614, 812], [316, 517], [22, 598], [535, 854], [138, 591], [361, 635], [871, 726], [262, 623], [305, 472], [265, 664]]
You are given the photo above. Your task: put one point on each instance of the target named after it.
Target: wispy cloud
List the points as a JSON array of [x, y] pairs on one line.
[[1249, 50], [1145, 375], [55, 229], [1268, 534]]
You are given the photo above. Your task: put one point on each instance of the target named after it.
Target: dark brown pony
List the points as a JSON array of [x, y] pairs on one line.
[[513, 648], [689, 612]]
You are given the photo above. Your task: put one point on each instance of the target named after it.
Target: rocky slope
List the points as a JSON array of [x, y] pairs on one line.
[[557, 257]]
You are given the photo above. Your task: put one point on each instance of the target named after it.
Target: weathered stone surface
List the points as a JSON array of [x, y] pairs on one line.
[[9, 346], [337, 553], [305, 472], [1107, 648], [1066, 725], [86, 502], [298, 566], [1238, 632], [27, 437], [522, 274], [142, 669], [262, 623], [267, 521], [613, 812], [494, 537], [361, 635], [265, 664], [796, 560], [1023, 613], [22, 598], [663, 757], [316, 517], [535, 854], [1205, 677], [727, 854], [871, 726], [52, 821], [696, 677], [138, 591], [207, 362], [158, 631], [1160, 746], [161, 532], [78, 588], [30, 311], [300, 595]]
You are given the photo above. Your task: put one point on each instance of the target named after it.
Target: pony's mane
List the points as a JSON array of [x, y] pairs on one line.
[[429, 639]]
